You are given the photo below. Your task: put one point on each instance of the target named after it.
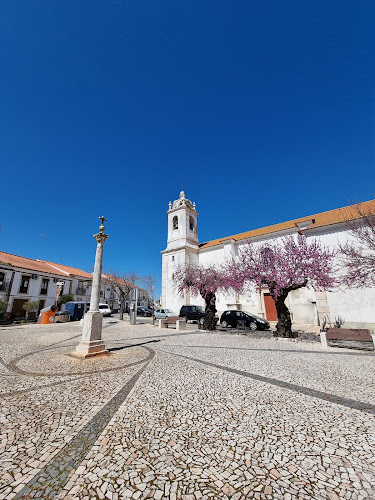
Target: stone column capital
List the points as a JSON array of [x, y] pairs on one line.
[[100, 237]]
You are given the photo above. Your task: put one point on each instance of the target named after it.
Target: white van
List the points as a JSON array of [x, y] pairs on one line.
[[105, 310]]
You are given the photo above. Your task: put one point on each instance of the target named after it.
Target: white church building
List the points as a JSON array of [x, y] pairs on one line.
[[308, 307]]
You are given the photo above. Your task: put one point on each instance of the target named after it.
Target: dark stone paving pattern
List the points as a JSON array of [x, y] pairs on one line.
[[332, 398], [52, 478], [13, 365]]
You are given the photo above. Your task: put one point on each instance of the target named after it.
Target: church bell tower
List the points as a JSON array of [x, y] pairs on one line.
[[182, 248]]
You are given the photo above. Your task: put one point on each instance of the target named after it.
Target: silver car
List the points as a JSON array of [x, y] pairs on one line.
[[163, 313]]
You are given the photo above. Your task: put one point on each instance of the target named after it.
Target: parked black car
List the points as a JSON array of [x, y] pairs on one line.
[[230, 318], [192, 313], [143, 311]]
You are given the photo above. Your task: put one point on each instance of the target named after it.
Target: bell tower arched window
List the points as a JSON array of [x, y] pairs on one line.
[[175, 222], [191, 223]]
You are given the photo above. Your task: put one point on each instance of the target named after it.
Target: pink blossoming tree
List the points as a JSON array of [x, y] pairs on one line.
[[205, 281], [282, 266], [358, 255]]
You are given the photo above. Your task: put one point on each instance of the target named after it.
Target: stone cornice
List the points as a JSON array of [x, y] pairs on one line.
[[181, 248], [183, 207], [188, 239]]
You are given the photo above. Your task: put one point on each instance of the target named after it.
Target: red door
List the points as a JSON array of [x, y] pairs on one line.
[[269, 304]]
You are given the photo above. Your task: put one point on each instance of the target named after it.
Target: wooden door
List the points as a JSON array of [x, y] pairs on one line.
[[17, 307], [269, 304]]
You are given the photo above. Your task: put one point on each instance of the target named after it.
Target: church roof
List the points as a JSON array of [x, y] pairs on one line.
[[322, 219]]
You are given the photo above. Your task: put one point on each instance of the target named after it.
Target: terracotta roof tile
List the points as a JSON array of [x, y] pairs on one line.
[[320, 220], [42, 266], [67, 270], [29, 264]]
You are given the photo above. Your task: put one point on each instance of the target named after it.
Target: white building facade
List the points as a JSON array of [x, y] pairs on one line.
[[32, 280], [309, 308]]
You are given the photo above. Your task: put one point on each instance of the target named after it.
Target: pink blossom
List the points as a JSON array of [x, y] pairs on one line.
[[282, 266]]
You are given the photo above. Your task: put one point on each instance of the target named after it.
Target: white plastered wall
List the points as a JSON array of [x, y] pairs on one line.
[[356, 307], [171, 299], [33, 292]]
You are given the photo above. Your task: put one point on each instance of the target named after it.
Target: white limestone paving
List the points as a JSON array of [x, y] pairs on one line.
[[183, 415]]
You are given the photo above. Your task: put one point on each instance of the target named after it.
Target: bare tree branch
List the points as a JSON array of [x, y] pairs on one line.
[[122, 284]]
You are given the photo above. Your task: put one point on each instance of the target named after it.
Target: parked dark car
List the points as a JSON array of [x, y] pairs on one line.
[[230, 319], [143, 311], [194, 313]]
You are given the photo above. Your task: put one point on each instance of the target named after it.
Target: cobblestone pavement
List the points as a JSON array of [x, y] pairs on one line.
[[183, 415]]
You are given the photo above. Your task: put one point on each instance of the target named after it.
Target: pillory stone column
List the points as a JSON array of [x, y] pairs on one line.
[[91, 343]]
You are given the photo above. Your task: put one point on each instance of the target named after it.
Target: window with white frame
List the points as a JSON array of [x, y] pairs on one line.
[[24, 286], [44, 287]]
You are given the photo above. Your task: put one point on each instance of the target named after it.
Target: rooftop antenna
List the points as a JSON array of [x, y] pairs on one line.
[[42, 237]]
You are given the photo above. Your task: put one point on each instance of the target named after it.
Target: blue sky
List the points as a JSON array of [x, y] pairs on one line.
[[265, 109]]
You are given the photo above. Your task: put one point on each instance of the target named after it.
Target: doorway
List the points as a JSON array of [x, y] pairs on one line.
[[17, 307], [269, 304], [41, 305]]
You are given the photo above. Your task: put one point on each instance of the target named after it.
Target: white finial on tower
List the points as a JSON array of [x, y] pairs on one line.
[[182, 201]]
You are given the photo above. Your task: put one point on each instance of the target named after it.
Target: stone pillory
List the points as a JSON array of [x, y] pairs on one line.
[[91, 343]]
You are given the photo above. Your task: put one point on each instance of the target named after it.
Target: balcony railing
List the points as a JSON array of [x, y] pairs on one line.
[[81, 291]]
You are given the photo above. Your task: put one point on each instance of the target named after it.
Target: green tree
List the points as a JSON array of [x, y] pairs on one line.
[[31, 306], [3, 306], [65, 298]]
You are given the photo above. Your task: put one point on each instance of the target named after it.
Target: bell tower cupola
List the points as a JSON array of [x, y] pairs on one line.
[[182, 223]]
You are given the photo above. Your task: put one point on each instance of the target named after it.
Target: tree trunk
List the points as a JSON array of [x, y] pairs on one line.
[[209, 317], [284, 324], [121, 308]]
